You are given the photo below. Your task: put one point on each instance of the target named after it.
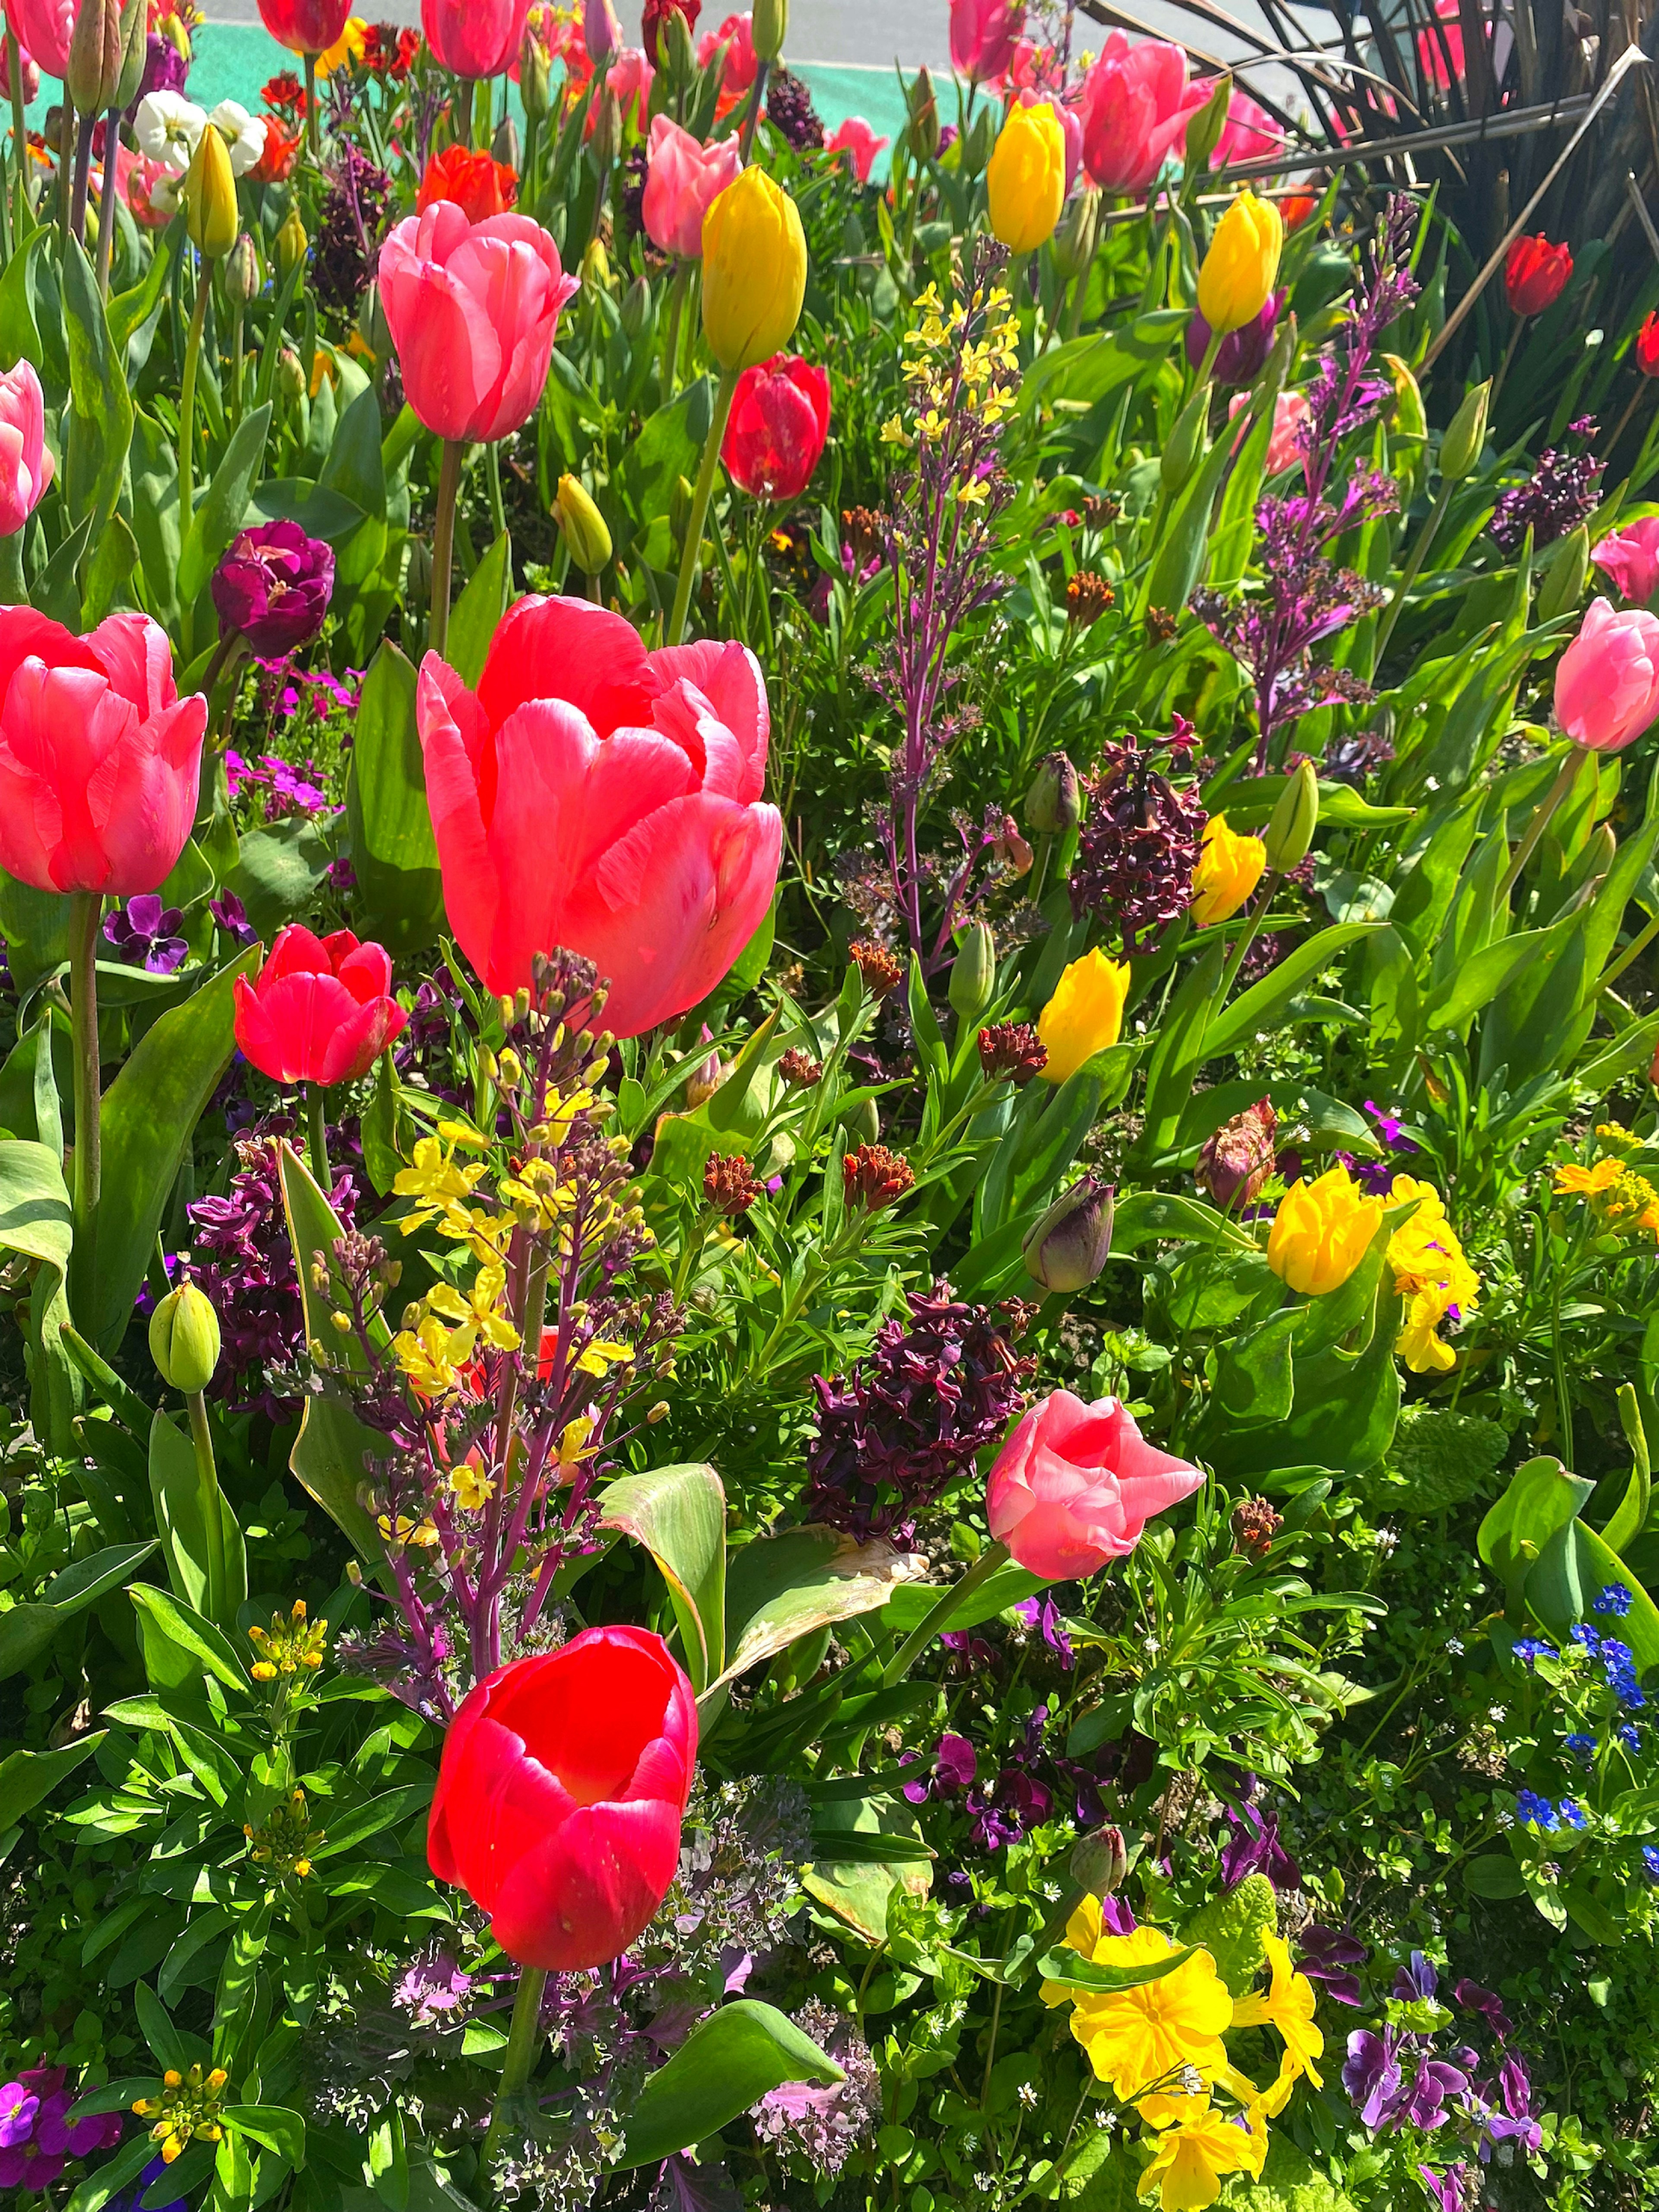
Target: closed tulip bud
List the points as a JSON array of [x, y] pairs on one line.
[[184, 1339], [1099, 1862], [1085, 1014], [1290, 827], [674, 38], [974, 972], [1466, 434], [290, 375], [292, 243], [1188, 443], [210, 197], [95, 56], [1025, 177], [1071, 1243], [1054, 802], [753, 271], [636, 317], [1242, 265], [705, 1078], [973, 149], [768, 26], [924, 117], [607, 130], [1564, 579], [595, 267], [584, 526], [242, 272], [504, 146], [1204, 131], [863, 1122], [1236, 1160], [535, 77], [1074, 241], [601, 32], [135, 52], [1229, 869]]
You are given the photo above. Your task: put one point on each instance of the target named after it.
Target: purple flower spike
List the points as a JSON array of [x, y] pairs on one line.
[[273, 587]]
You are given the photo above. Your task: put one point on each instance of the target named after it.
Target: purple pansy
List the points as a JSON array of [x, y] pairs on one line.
[[145, 934]]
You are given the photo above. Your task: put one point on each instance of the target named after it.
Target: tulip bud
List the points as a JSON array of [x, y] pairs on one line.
[[1071, 1243], [601, 32], [1466, 434], [1564, 576], [1204, 131], [1236, 1160], [242, 272], [184, 1339], [974, 971], [864, 1124], [535, 77], [1073, 247], [705, 1078], [924, 116], [974, 147], [504, 146], [607, 130], [1054, 802], [1241, 266], [636, 317], [135, 52], [290, 375], [1099, 1862], [1290, 829], [754, 270], [292, 244], [595, 267], [1187, 443], [210, 197], [679, 55], [768, 26], [584, 526], [93, 72]]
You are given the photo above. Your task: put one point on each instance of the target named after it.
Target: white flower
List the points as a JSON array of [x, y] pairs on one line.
[[244, 134], [169, 128], [1028, 2095], [164, 192]]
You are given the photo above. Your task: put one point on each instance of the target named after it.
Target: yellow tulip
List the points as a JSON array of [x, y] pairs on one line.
[[1229, 869], [1025, 177], [1321, 1232], [1242, 264], [753, 271], [211, 196], [1085, 1014]]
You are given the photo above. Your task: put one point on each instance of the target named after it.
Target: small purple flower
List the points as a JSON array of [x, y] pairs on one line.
[[273, 587], [1572, 1813], [1487, 2004], [1253, 1846], [231, 915], [18, 2107], [1515, 2123], [1585, 1636], [1581, 1746], [1629, 1736], [1452, 2190], [1042, 1612], [1006, 1813], [1437, 2088], [1116, 1915], [145, 934], [954, 1766], [1650, 1861], [1371, 2075], [1417, 1982], [1329, 1955], [1390, 1128]]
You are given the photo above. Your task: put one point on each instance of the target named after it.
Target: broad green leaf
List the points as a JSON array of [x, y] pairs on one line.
[[187, 1630], [181, 1508], [476, 614], [779, 1588], [728, 2062], [1230, 1928], [393, 848], [1571, 1570], [388, 1811], [679, 1513], [1145, 1217], [101, 406], [273, 2126], [1493, 1877], [1260, 1007], [27, 1776], [277, 870], [1178, 1051], [1087, 369], [1541, 1497], [909, 1606], [37, 1221], [220, 513]]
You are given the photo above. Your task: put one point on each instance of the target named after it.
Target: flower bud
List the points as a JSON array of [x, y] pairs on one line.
[[705, 1078], [1466, 434], [1071, 1243], [1074, 246], [863, 1122], [535, 77], [242, 272], [1025, 177], [290, 375], [924, 116], [1290, 828], [754, 270], [184, 1339], [1409, 419], [1204, 131], [674, 44], [1255, 1523], [768, 26], [636, 316], [93, 72], [607, 130], [1567, 566], [1235, 1161], [211, 196], [1054, 802], [1187, 443], [974, 972], [1100, 1861], [601, 32], [596, 266], [135, 52], [504, 146], [292, 243], [584, 526]]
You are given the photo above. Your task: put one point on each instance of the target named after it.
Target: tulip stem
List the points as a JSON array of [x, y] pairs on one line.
[[106, 202], [213, 1521], [314, 132], [443, 545], [1541, 820], [676, 309], [1419, 554], [316, 1137], [20, 135], [757, 101], [84, 129], [86, 909], [1247, 939], [711, 454], [14, 590], [187, 402], [522, 2045], [493, 478], [941, 1612]]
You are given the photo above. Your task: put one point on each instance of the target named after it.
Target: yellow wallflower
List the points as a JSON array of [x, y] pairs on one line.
[[1085, 1014], [1321, 1232], [434, 1179], [1431, 1275], [425, 1356], [1288, 2004], [477, 1312], [1229, 869], [1193, 2157], [469, 1487], [600, 1356], [1574, 1181], [1141, 2037]]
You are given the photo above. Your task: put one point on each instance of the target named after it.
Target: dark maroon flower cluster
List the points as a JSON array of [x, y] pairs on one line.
[[912, 1414], [353, 221], [1137, 845], [1560, 493], [790, 110]]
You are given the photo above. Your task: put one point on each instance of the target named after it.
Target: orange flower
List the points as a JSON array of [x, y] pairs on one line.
[[479, 186]]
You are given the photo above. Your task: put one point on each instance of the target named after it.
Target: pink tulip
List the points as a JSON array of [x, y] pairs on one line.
[[1075, 1484], [474, 38], [983, 36], [472, 308], [44, 28], [601, 32], [595, 796], [1136, 105], [683, 178], [1631, 557], [31, 76], [25, 462], [1249, 134], [857, 138], [1607, 682], [1290, 412], [99, 756], [736, 35], [630, 76]]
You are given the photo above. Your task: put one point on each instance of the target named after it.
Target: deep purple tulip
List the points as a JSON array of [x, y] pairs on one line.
[[273, 588], [1243, 353]]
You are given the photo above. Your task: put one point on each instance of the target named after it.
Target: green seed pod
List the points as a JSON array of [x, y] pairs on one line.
[[1054, 802], [184, 1339]]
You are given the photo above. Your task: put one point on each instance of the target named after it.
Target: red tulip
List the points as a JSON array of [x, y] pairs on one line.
[[1535, 274], [1647, 346], [305, 26], [1075, 1484], [736, 35], [43, 28], [595, 796], [472, 308], [321, 1009], [780, 420], [561, 1795], [100, 758], [654, 22], [480, 185], [856, 138], [475, 38]]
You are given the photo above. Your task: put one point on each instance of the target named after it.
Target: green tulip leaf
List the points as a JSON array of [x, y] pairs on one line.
[[679, 1513], [780, 1589], [728, 2062]]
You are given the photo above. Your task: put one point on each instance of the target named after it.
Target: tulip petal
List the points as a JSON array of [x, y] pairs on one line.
[[143, 796], [561, 648], [589, 1891], [730, 678], [134, 654]]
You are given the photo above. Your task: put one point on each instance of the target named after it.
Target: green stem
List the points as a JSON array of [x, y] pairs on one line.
[[1230, 974], [317, 1136], [1541, 821], [1045, 847], [940, 1615], [65, 168], [463, 120], [14, 590], [107, 204], [1638, 945], [443, 545], [314, 130], [213, 1520], [522, 2045], [236, 366], [85, 910], [676, 309], [82, 179], [187, 398], [711, 454], [20, 135], [757, 99], [493, 478], [1504, 366], [1426, 538]]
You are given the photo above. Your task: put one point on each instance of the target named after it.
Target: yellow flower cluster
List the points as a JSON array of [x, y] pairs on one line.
[[1160, 2047], [284, 1840], [950, 373], [291, 1646], [1431, 1275], [444, 1331], [1620, 1199], [187, 2111]]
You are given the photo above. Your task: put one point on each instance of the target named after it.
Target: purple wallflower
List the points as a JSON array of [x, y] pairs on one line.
[[1136, 848], [1454, 2191], [273, 587], [1487, 2004], [1329, 1955], [145, 934], [37, 2137]]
